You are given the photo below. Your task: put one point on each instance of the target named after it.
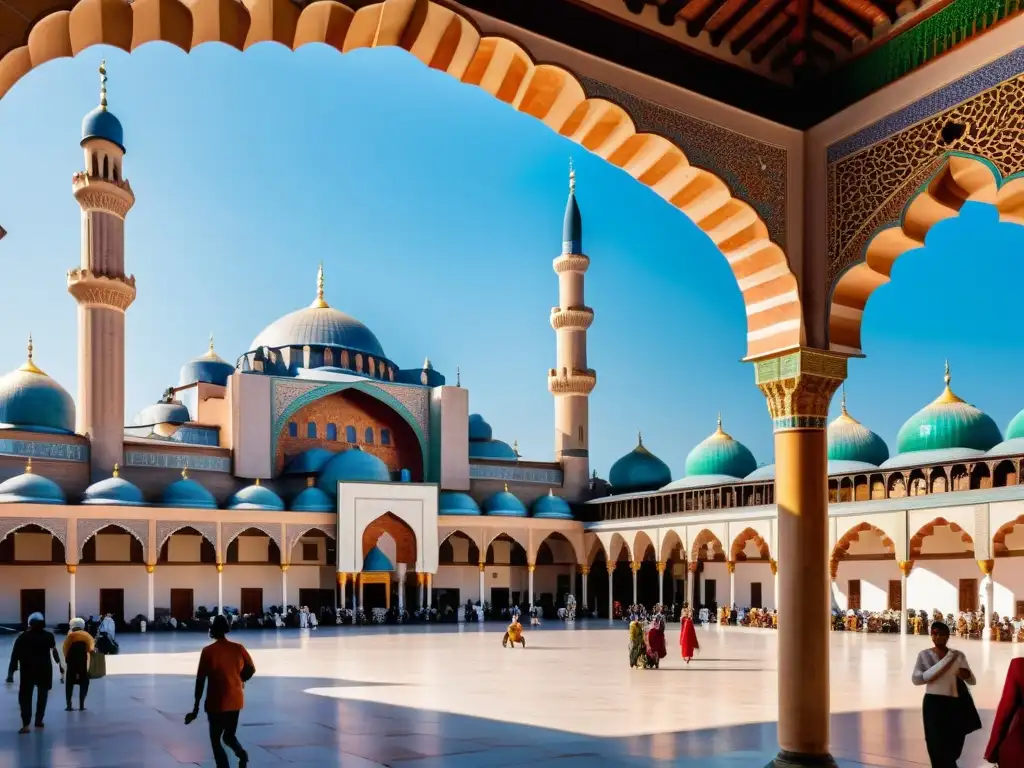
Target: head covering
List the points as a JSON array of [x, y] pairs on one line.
[[36, 618], [76, 624], [219, 627]]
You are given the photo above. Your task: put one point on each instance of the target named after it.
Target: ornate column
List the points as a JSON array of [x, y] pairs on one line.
[[284, 587], [430, 589], [635, 568], [150, 601], [483, 570], [420, 580], [72, 600], [610, 567], [731, 565], [987, 588], [401, 587], [530, 568], [798, 387], [906, 566], [585, 573], [360, 603], [355, 592], [661, 581], [220, 589], [339, 593]]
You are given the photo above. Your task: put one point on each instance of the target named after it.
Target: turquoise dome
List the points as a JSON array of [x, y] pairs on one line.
[[115, 491], [32, 401], [256, 496], [504, 504], [312, 499], [492, 449], [187, 494], [849, 440], [162, 413], [376, 562], [102, 124], [1015, 428], [720, 454], [551, 507], [30, 488], [352, 466], [639, 470], [309, 462], [478, 428], [455, 503], [948, 422], [209, 369]]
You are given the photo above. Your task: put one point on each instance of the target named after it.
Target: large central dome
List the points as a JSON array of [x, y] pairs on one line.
[[319, 324]]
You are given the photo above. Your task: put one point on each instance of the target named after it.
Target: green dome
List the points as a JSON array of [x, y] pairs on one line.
[[639, 470], [1016, 427], [720, 454], [948, 422], [849, 440]]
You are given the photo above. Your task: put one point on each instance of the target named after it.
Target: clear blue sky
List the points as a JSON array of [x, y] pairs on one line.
[[437, 212]]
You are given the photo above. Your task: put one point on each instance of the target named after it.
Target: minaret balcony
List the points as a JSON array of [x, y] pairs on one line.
[[571, 262], [98, 193], [104, 291], [572, 318], [575, 382]]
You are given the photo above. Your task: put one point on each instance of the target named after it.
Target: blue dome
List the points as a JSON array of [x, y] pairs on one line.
[[32, 401], [948, 422], [162, 413], [101, 124], [312, 499], [767, 472], [849, 440], [504, 504], [492, 449], [209, 369], [256, 496], [188, 494], [114, 491], [699, 481], [552, 507], [720, 454], [29, 488], [352, 466], [1015, 428], [309, 462], [639, 470], [455, 503], [376, 562], [478, 428]]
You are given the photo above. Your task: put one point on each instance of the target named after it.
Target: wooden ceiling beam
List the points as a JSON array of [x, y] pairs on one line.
[[867, 11], [746, 29], [829, 36], [841, 24], [727, 17], [773, 33]]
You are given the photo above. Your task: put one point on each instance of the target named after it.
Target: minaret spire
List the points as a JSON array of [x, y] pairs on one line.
[[103, 85], [319, 302], [572, 178]]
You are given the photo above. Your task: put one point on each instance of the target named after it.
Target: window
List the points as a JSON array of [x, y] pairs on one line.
[[581, 434], [310, 551], [350, 434], [853, 595], [385, 437], [332, 431], [293, 429], [311, 429], [369, 435]]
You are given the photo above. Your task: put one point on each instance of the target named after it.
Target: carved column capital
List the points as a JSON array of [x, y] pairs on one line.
[[635, 566], [661, 566], [987, 566], [150, 568], [731, 565], [774, 565], [483, 567], [694, 567], [531, 567], [284, 567], [799, 387], [610, 567], [906, 566], [220, 567], [585, 570], [343, 578], [71, 568]]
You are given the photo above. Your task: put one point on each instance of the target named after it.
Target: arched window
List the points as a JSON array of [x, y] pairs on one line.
[[369, 435], [117, 173], [350, 434], [106, 167], [293, 429], [581, 434], [95, 165], [332, 431], [311, 429], [385, 437]]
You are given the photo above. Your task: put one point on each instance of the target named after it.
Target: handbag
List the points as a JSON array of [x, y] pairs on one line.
[[969, 717], [98, 666]]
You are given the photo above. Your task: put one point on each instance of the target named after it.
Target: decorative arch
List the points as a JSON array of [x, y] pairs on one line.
[[516, 537], [642, 543], [399, 530], [296, 532], [167, 528], [706, 538], [473, 547], [89, 528], [231, 531], [928, 529], [613, 552], [669, 542], [556, 536], [444, 40], [999, 548], [517, 555], [57, 527], [960, 178], [843, 545], [596, 548], [740, 543]]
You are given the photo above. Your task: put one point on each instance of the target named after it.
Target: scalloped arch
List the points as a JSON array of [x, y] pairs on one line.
[[961, 178], [999, 548], [444, 40], [929, 528], [843, 545], [704, 539], [740, 543]]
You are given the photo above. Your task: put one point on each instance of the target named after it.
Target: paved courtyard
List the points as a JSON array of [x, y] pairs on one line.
[[441, 696]]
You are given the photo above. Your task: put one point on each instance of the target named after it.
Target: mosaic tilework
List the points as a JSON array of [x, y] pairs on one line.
[[515, 474], [199, 462], [40, 450], [731, 156]]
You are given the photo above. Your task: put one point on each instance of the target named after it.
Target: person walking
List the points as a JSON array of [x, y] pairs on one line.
[[78, 645], [1006, 745], [31, 654], [948, 709], [224, 668]]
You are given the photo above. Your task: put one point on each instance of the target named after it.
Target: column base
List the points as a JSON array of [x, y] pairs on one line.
[[796, 760]]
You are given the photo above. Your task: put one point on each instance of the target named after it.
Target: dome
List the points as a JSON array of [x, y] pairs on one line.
[[766, 472], [377, 562], [187, 493], [352, 466], [720, 454], [639, 470], [455, 503], [492, 449], [319, 325], [948, 422], [699, 481], [115, 491], [849, 440], [209, 369], [32, 401], [504, 504], [1010, 446], [102, 124], [162, 413], [312, 499], [552, 507], [30, 488], [255, 496], [309, 462], [478, 428], [1015, 428]]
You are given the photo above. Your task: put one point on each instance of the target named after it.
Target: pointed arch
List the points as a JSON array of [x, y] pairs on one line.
[[929, 529], [443, 39], [706, 539], [999, 548], [400, 532], [642, 544], [739, 544], [842, 546], [671, 541]]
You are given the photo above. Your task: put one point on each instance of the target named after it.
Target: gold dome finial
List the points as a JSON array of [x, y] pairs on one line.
[[319, 303], [719, 421], [947, 395], [310, 481], [948, 378], [551, 491], [117, 470], [30, 366], [257, 482], [184, 473], [209, 351], [572, 177], [28, 466], [458, 376], [515, 448], [103, 84], [506, 487], [844, 401], [639, 439]]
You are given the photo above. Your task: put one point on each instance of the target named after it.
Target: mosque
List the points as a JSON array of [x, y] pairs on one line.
[[315, 470]]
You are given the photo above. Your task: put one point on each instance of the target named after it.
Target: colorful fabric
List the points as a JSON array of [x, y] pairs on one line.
[[688, 644]]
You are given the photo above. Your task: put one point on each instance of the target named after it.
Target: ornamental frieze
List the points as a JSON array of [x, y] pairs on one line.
[[231, 531], [95, 200], [167, 528], [296, 532], [57, 527], [41, 450], [89, 528]]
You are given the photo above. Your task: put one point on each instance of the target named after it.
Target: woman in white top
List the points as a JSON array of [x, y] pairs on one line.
[[947, 718]]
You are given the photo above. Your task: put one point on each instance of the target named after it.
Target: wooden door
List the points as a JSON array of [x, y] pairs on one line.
[[895, 595], [1020, 610], [112, 602], [499, 598], [252, 600], [968, 594], [32, 601], [755, 595], [182, 604], [710, 593], [853, 594]]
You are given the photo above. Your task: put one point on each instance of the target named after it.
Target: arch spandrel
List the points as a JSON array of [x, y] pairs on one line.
[[444, 40]]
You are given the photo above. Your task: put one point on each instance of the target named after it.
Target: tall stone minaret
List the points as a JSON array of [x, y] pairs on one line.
[[572, 381], [101, 287]]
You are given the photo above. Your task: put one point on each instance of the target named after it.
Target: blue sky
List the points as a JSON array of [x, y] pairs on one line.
[[437, 212]]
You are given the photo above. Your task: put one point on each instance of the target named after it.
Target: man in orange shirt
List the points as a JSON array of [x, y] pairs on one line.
[[226, 666]]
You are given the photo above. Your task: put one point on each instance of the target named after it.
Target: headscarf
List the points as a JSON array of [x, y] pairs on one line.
[[76, 624], [36, 619]]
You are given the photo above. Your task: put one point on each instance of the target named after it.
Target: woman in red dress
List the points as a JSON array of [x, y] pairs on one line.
[[688, 636], [1006, 747]]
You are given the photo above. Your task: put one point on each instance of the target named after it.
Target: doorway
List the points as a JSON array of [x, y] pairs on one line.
[[711, 593], [252, 601], [499, 598], [969, 595], [32, 601], [895, 595], [756, 600], [316, 599], [182, 604], [374, 596], [112, 602]]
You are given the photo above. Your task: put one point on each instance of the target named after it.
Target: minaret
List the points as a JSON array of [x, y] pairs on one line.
[[100, 286], [572, 381]]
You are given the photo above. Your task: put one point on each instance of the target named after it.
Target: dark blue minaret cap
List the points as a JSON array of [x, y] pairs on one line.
[[572, 226]]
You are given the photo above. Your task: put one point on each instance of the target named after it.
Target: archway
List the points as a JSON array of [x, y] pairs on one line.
[[187, 545], [871, 579], [945, 576], [704, 586], [443, 39], [398, 531], [254, 547]]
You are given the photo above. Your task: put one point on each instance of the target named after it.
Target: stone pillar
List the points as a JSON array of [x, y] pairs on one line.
[[355, 592], [774, 565], [150, 600], [483, 573], [798, 387], [635, 568], [360, 604], [906, 566], [339, 593], [284, 588], [72, 599], [731, 565], [585, 574], [430, 589], [530, 568], [987, 589], [420, 580], [661, 582], [401, 587], [610, 566], [220, 589]]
